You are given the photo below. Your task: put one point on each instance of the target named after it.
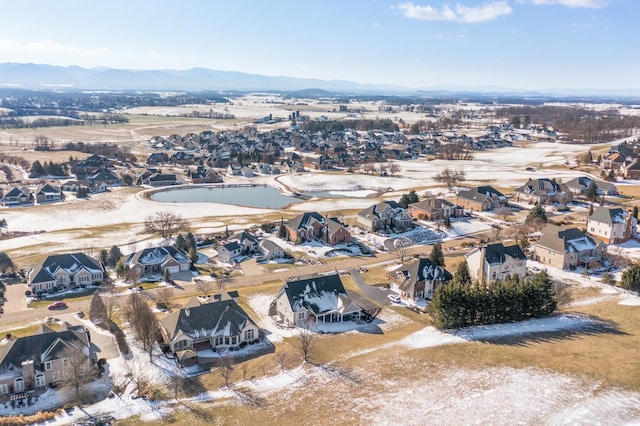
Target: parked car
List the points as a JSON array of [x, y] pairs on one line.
[[394, 298], [57, 305]]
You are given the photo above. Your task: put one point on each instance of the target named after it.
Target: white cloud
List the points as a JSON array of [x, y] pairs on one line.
[[481, 13], [593, 4]]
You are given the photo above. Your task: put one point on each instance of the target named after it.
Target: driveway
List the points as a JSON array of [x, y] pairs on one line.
[[16, 300], [374, 294], [251, 268], [103, 342]]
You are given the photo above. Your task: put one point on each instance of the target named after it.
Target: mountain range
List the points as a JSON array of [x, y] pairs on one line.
[[40, 76]]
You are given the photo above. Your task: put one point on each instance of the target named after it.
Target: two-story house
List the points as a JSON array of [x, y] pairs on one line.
[[613, 225], [480, 199], [496, 262], [418, 279], [433, 208], [567, 248], [387, 214]]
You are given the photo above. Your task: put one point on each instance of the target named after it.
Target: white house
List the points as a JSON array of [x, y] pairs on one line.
[[612, 225], [496, 262]]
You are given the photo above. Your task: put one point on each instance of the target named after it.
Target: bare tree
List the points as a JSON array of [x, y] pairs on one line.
[[226, 368], [282, 358], [205, 287], [77, 369], [393, 168], [144, 322], [450, 177], [400, 247], [503, 212], [368, 168], [165, 223], [165, 295], [305, 342]]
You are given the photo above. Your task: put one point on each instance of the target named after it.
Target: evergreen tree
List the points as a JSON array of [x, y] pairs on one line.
[[437, 255], [114, 255], [447, 222], [282, 231], [120, 268], [631, 278], [536, 213], [592, 191], [634, 212], [193, 255], [409, 198], [104, 257], [462, 275], [191, 241], [37, 169]]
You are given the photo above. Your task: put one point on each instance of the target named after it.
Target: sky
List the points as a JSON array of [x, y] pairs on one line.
[[514, 44]]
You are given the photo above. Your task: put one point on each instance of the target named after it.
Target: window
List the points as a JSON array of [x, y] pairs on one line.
[[47, 365], [57, 376], [65, 362], [19, 384], [248, 334], [4, 388], [233, 340], [226, 340], [61, 280], [301, 315], [40, 380]]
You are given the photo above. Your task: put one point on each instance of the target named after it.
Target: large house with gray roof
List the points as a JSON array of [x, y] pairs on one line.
[[35, 361], [543, 191], [567, 248], [65, 270], [481, 199], [495, 262], [578, 186], [201, 328], [612, 225], [387, 214], [418, 279], [320, 299], [152, 262]]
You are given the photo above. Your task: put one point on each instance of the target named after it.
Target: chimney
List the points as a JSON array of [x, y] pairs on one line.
[[187, 312], [483, 255], [29, 374]]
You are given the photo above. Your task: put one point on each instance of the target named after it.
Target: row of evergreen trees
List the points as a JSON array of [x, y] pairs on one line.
[[458, 305]]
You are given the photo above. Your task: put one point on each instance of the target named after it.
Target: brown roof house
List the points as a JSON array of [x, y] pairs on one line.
[[434, 209], [567, 248], [152, 262], [419, 279], [387, 214], [313, 226]]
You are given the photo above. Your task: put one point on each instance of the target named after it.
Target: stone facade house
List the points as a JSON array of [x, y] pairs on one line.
[[434, 209], [152, 262], [418, 279], [313, 226], [65, 270], [387, 214], [543, 191]]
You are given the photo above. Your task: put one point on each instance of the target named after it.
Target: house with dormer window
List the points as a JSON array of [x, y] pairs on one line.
[[65, 270]]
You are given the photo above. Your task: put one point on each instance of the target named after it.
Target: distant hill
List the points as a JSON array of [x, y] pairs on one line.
[[36, 76]]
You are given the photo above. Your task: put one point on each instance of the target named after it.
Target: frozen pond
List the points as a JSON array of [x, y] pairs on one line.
[[260, 196]]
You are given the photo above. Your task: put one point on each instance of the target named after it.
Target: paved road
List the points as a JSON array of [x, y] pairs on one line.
[[188, 288], [374, 294], [103, 343]]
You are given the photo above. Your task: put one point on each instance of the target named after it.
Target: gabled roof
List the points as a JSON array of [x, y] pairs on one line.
[[496, 254], [48, 189], [43, 341], [17, 192], [157, 256], [432, 203], [302, 221], [231, 246], [320, 294], [374, 211], [244, 236], [481, 194], [220, 318], [420, 270], [565, 240], [539, 187], [334, 225], [270, 245], [71, 263], [609, 215]]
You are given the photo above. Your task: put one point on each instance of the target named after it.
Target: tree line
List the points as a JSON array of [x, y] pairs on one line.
[[458, 305], [48, 168], [330, 126]]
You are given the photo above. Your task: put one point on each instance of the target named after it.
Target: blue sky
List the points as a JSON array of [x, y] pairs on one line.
[[520, 44]]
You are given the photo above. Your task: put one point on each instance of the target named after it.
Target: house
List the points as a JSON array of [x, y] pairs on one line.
[[36, 361], [91, 165], [106, 177], [47, 193], [65, 270], [234, 170], [228, 251], [433, 208], [496, 262], [162, 179], [567, 248], [631, 170], [199, 329], [318, 299], [17, 197], [614, 161], [387, 214], [271, 250], [204, 175], [543, 191], [418, 279], [479, 199], [247, 172], [153, 261], [612, 225], [313, 226], [578, 186], [248, 242]]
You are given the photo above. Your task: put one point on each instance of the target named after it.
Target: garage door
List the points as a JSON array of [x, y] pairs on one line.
[[174, 269]]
